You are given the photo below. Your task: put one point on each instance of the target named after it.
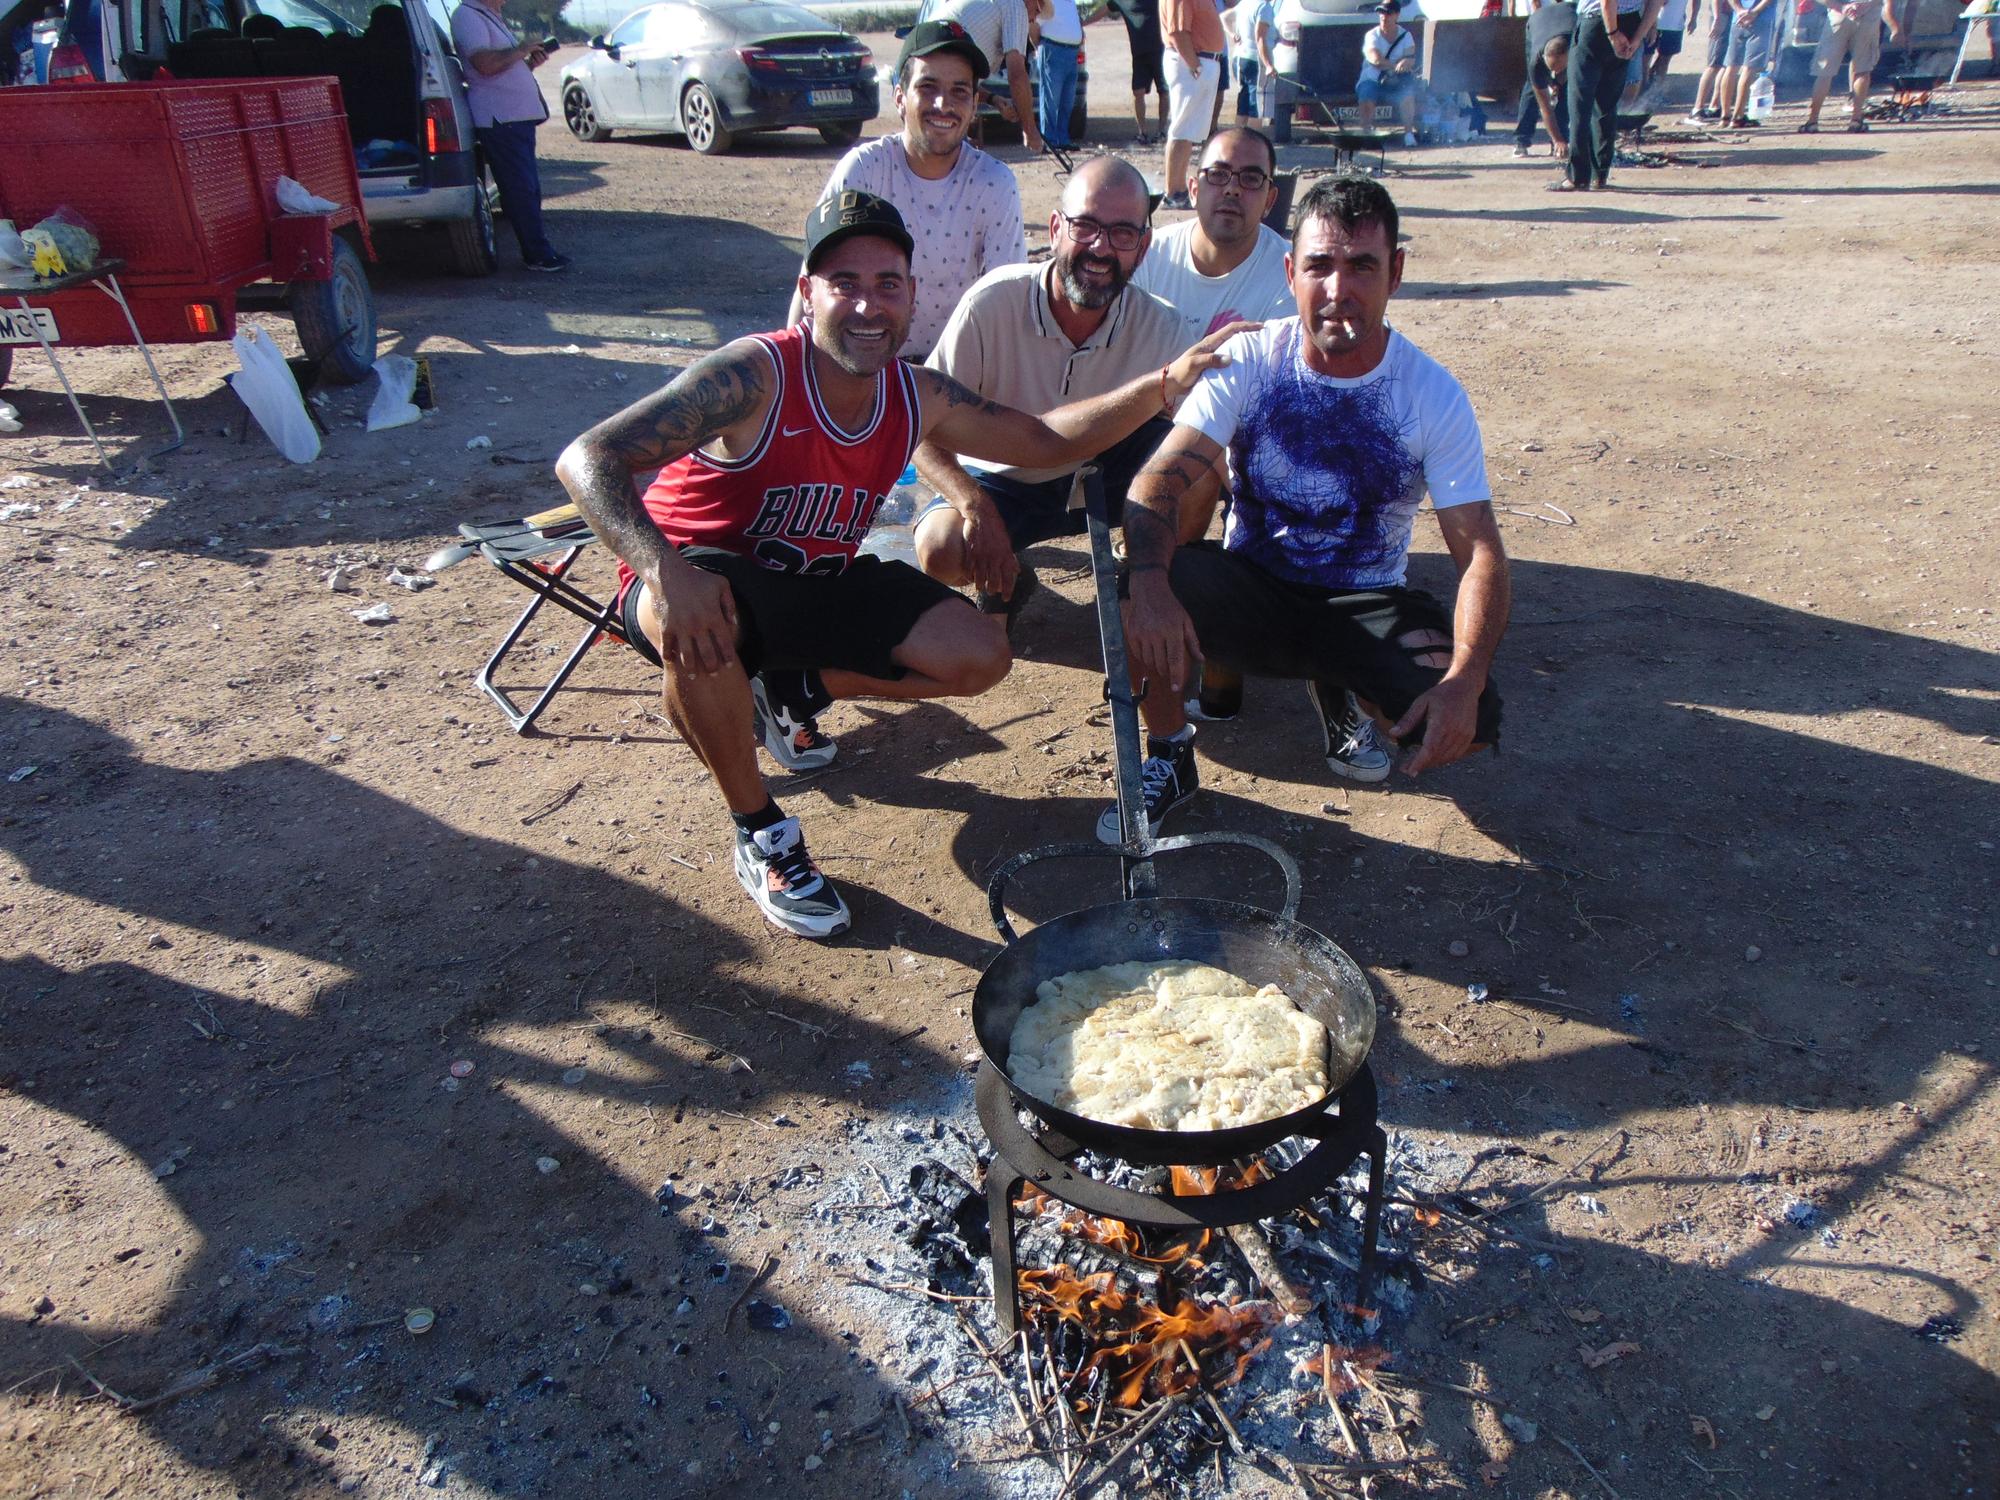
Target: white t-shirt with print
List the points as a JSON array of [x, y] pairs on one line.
[[1255, 290], [965, 223], [1328, 473]]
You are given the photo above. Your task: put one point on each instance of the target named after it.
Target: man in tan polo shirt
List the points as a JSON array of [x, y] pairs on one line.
[[1193, 65], [1042, 336]]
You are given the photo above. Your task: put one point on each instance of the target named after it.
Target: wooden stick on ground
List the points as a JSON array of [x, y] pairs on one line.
[[1333, 1401], [1561, 1179], [1006, 1380], [1214, 1405], [770, 1263], [1263, 1263]]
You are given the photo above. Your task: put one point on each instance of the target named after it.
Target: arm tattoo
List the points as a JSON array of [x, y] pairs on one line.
[[955, 394], [1153, 507], [708, 398]]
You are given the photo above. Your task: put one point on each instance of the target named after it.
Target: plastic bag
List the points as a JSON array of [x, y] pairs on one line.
[[62, 243], [296, 198], [10, 419], [266, 386], [14, 251], [395, 383]]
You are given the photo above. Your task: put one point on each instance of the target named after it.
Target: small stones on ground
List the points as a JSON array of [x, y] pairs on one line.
[[479, 440], [1521, 1427], [1458, 948], [685, 1308], [1477, 993], [664, 1193], [574, 1076], [375, 614], [1589, 1203], [813, 1461], [1752, 953], [587, 1289], [766, 1315], [546, 1164]]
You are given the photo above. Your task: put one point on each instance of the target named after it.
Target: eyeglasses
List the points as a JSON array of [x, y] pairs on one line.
[[1117, 236], [1250, 179]]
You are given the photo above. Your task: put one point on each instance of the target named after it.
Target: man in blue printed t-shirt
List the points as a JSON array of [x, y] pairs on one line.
[[1608, 33], [1336, 427]]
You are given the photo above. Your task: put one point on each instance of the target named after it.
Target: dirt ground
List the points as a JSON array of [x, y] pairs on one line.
[[270, 871]]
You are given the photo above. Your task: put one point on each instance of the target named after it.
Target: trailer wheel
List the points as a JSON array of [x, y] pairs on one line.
[[474, 249], [336, 317]]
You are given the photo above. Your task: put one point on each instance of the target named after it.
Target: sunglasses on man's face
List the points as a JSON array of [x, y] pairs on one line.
[[1250, 179]]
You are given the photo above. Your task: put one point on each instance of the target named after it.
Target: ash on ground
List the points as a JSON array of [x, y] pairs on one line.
[[914, 1245]]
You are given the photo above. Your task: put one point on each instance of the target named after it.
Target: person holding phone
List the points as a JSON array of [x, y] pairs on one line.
[[507, 106]]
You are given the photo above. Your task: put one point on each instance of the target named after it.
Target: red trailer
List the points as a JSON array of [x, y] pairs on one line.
[[179, 181]]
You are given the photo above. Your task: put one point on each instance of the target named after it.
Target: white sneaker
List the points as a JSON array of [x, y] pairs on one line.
[[773, 866], [794, 743], [1353, 747], [1409, 138], [1520, 151]]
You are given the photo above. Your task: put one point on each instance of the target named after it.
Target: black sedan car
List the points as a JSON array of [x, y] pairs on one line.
[[713, 71]]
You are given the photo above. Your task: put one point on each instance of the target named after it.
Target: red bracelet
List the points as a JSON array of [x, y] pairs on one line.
[[1165, 403]]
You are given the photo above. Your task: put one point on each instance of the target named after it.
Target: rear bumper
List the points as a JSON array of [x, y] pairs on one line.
[[750, 106], [88, 319], [440, 192]]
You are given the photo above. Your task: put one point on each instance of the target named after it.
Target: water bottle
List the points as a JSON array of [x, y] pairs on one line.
[[1763, 96], [890, 536]]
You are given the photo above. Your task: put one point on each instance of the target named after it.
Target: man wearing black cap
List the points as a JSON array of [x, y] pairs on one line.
[[742, 557], [965, 205], [999, 28]]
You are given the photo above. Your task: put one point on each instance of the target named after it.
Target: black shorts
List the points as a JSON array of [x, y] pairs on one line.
[[1148, 54], [1263, 626], [1038, 510], [1667, 43], [852, 620]]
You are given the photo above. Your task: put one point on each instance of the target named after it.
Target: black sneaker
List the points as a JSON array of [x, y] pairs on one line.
[[782, 879], [1168, 781], [553, 261], [792, 739], [1025, 586], [1353, 748]]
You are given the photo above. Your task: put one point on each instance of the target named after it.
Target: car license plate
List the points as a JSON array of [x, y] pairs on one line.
[[826, 98], [18, 326]]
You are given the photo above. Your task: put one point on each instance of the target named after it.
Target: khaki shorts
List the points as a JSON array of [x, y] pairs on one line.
[[1858, 40]]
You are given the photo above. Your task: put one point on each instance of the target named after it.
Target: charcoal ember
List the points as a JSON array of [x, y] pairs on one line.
[[1040, 1243], [953, 1202]]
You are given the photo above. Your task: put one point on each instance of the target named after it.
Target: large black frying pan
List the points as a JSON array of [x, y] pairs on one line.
[[1259, 946]]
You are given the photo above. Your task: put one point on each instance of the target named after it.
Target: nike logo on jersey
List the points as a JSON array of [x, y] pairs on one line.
[[796, 431]]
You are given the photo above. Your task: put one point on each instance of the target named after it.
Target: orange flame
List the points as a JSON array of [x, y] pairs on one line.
[[1340, 1378], [1142, 1354]]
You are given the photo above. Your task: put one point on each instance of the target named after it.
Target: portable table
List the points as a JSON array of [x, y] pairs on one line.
[[18, 284]]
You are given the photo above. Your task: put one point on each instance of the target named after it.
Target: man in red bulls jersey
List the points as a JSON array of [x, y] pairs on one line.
[[741, 556]]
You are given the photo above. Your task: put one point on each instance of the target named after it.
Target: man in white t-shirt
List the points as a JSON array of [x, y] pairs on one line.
[[962, 207], [1035, 337], [1336, 427], [1224, 265]]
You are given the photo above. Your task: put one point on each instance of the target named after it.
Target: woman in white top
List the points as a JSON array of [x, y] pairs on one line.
[[1389, 70]]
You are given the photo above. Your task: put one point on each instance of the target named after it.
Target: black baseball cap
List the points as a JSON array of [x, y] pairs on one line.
[[927, 37], [1387, 7], [851, 212]]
